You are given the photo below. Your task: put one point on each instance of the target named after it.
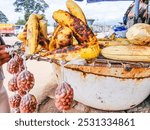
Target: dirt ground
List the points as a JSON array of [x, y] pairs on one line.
[[45, 81]]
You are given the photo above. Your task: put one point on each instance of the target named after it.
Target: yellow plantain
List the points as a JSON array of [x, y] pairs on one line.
[[127, 53], [39, 48], [22, 36], [90, 52], [43, 28], [62, 37], [87, 53], [81, 31], [39, 16], [32, 33], [75, 42], [52, 44], [43, 42], [75, 10]]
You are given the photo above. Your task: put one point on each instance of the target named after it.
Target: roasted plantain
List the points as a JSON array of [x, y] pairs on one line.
[[32, 33], [22, 36], [81, 31], [52, 44], [43, 28], [64, 37], [75, 10], [71, 52], [39, 16]]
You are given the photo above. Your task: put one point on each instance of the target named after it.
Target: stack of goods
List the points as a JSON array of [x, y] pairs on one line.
[[34, 35], [138, 50], [72, 38], [21, 83]]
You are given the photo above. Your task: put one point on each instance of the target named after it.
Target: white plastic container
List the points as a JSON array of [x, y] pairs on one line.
[[107, 88]]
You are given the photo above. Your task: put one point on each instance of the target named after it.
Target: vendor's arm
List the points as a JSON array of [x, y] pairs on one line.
[[4, 56]]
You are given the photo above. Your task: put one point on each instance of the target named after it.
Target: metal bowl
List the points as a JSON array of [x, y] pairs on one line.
[[108, 85]]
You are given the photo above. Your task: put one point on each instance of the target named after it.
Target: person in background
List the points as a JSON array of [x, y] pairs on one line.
[[4, 57], [129, 15]]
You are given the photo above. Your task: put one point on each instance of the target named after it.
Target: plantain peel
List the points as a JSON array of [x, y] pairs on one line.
[[75, 10], [81, 31], [32, 33]]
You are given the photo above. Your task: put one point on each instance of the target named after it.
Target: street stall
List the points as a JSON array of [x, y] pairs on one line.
[[109, 73]]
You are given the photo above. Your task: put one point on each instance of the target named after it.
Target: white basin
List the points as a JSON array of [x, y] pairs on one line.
[[105, 87]]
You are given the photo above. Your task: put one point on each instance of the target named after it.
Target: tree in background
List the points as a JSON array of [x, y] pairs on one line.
[[30, 6], [20, 22], [3, 18]]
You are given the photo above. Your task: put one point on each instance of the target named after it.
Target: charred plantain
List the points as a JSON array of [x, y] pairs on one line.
[[81, 31], [32, 33], [62, 37], [75, 10], [43, 28]]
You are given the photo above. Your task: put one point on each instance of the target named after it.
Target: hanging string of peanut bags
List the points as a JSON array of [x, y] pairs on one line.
[[20, 84]]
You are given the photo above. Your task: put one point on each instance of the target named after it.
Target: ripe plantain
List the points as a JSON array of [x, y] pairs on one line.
[[22, 36], [90, 52], [64, 37], [52, 44], [69, 53], [39, 16], [39, 48], [75, 10], [43, 28], [32, 33], [43, 42], [127, 53], [81, 31]]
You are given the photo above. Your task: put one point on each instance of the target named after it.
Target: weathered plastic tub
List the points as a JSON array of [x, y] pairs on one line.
[[113, 86]]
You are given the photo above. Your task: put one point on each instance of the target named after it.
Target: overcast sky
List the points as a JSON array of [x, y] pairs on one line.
[[105, 12]]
